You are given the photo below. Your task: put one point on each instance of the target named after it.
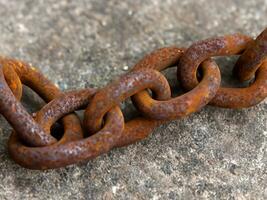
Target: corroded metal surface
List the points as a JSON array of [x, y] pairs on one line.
[[19, 118], [222, 46], [32, 145], [200, 51], [71, 148], [121, 89], [252, 58], [185, 104]]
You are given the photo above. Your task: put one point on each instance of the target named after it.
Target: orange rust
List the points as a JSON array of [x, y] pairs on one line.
[[12, 79], [61, 153], [136, 130], [185, 104], [227, 45], [32, 78], [250, 61], [67, 151], [30, 132], [121, 89], [244, 97], [32, 146], [200, 51]]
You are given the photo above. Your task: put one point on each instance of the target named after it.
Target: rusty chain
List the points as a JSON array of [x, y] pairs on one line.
[[32, 146]]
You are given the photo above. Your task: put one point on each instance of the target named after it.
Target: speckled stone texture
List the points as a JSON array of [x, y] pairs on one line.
[[213, 154]]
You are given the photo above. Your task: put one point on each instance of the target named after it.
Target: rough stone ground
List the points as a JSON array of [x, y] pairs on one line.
[[213, 154]]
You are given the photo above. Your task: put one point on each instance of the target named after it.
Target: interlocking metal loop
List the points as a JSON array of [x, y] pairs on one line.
[[121, 89], [19, 118], [44, 88], [69, 149], [32, 145], [180, 106], [252, 59], [221, 46], [65, 151]]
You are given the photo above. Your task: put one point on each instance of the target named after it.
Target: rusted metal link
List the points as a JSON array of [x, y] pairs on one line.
[[12, 80], [61, 153], [185, 104], [70, 149], [121, 89], [227, 45], [252, 58], [24, 73], [32, 78], [19, 118], [32, 146], [200, 51]]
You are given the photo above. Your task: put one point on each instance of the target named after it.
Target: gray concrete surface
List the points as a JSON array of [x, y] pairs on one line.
[[213, 154]]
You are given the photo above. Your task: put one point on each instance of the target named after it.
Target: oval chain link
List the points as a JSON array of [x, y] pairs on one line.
[[32, 145]]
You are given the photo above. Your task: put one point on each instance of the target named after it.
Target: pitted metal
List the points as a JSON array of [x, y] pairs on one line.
[[32, 145]]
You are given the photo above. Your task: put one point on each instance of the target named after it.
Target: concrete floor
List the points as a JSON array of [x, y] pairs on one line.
[[213, 154]]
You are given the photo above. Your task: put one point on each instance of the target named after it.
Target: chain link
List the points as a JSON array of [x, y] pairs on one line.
[[32, 145]]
